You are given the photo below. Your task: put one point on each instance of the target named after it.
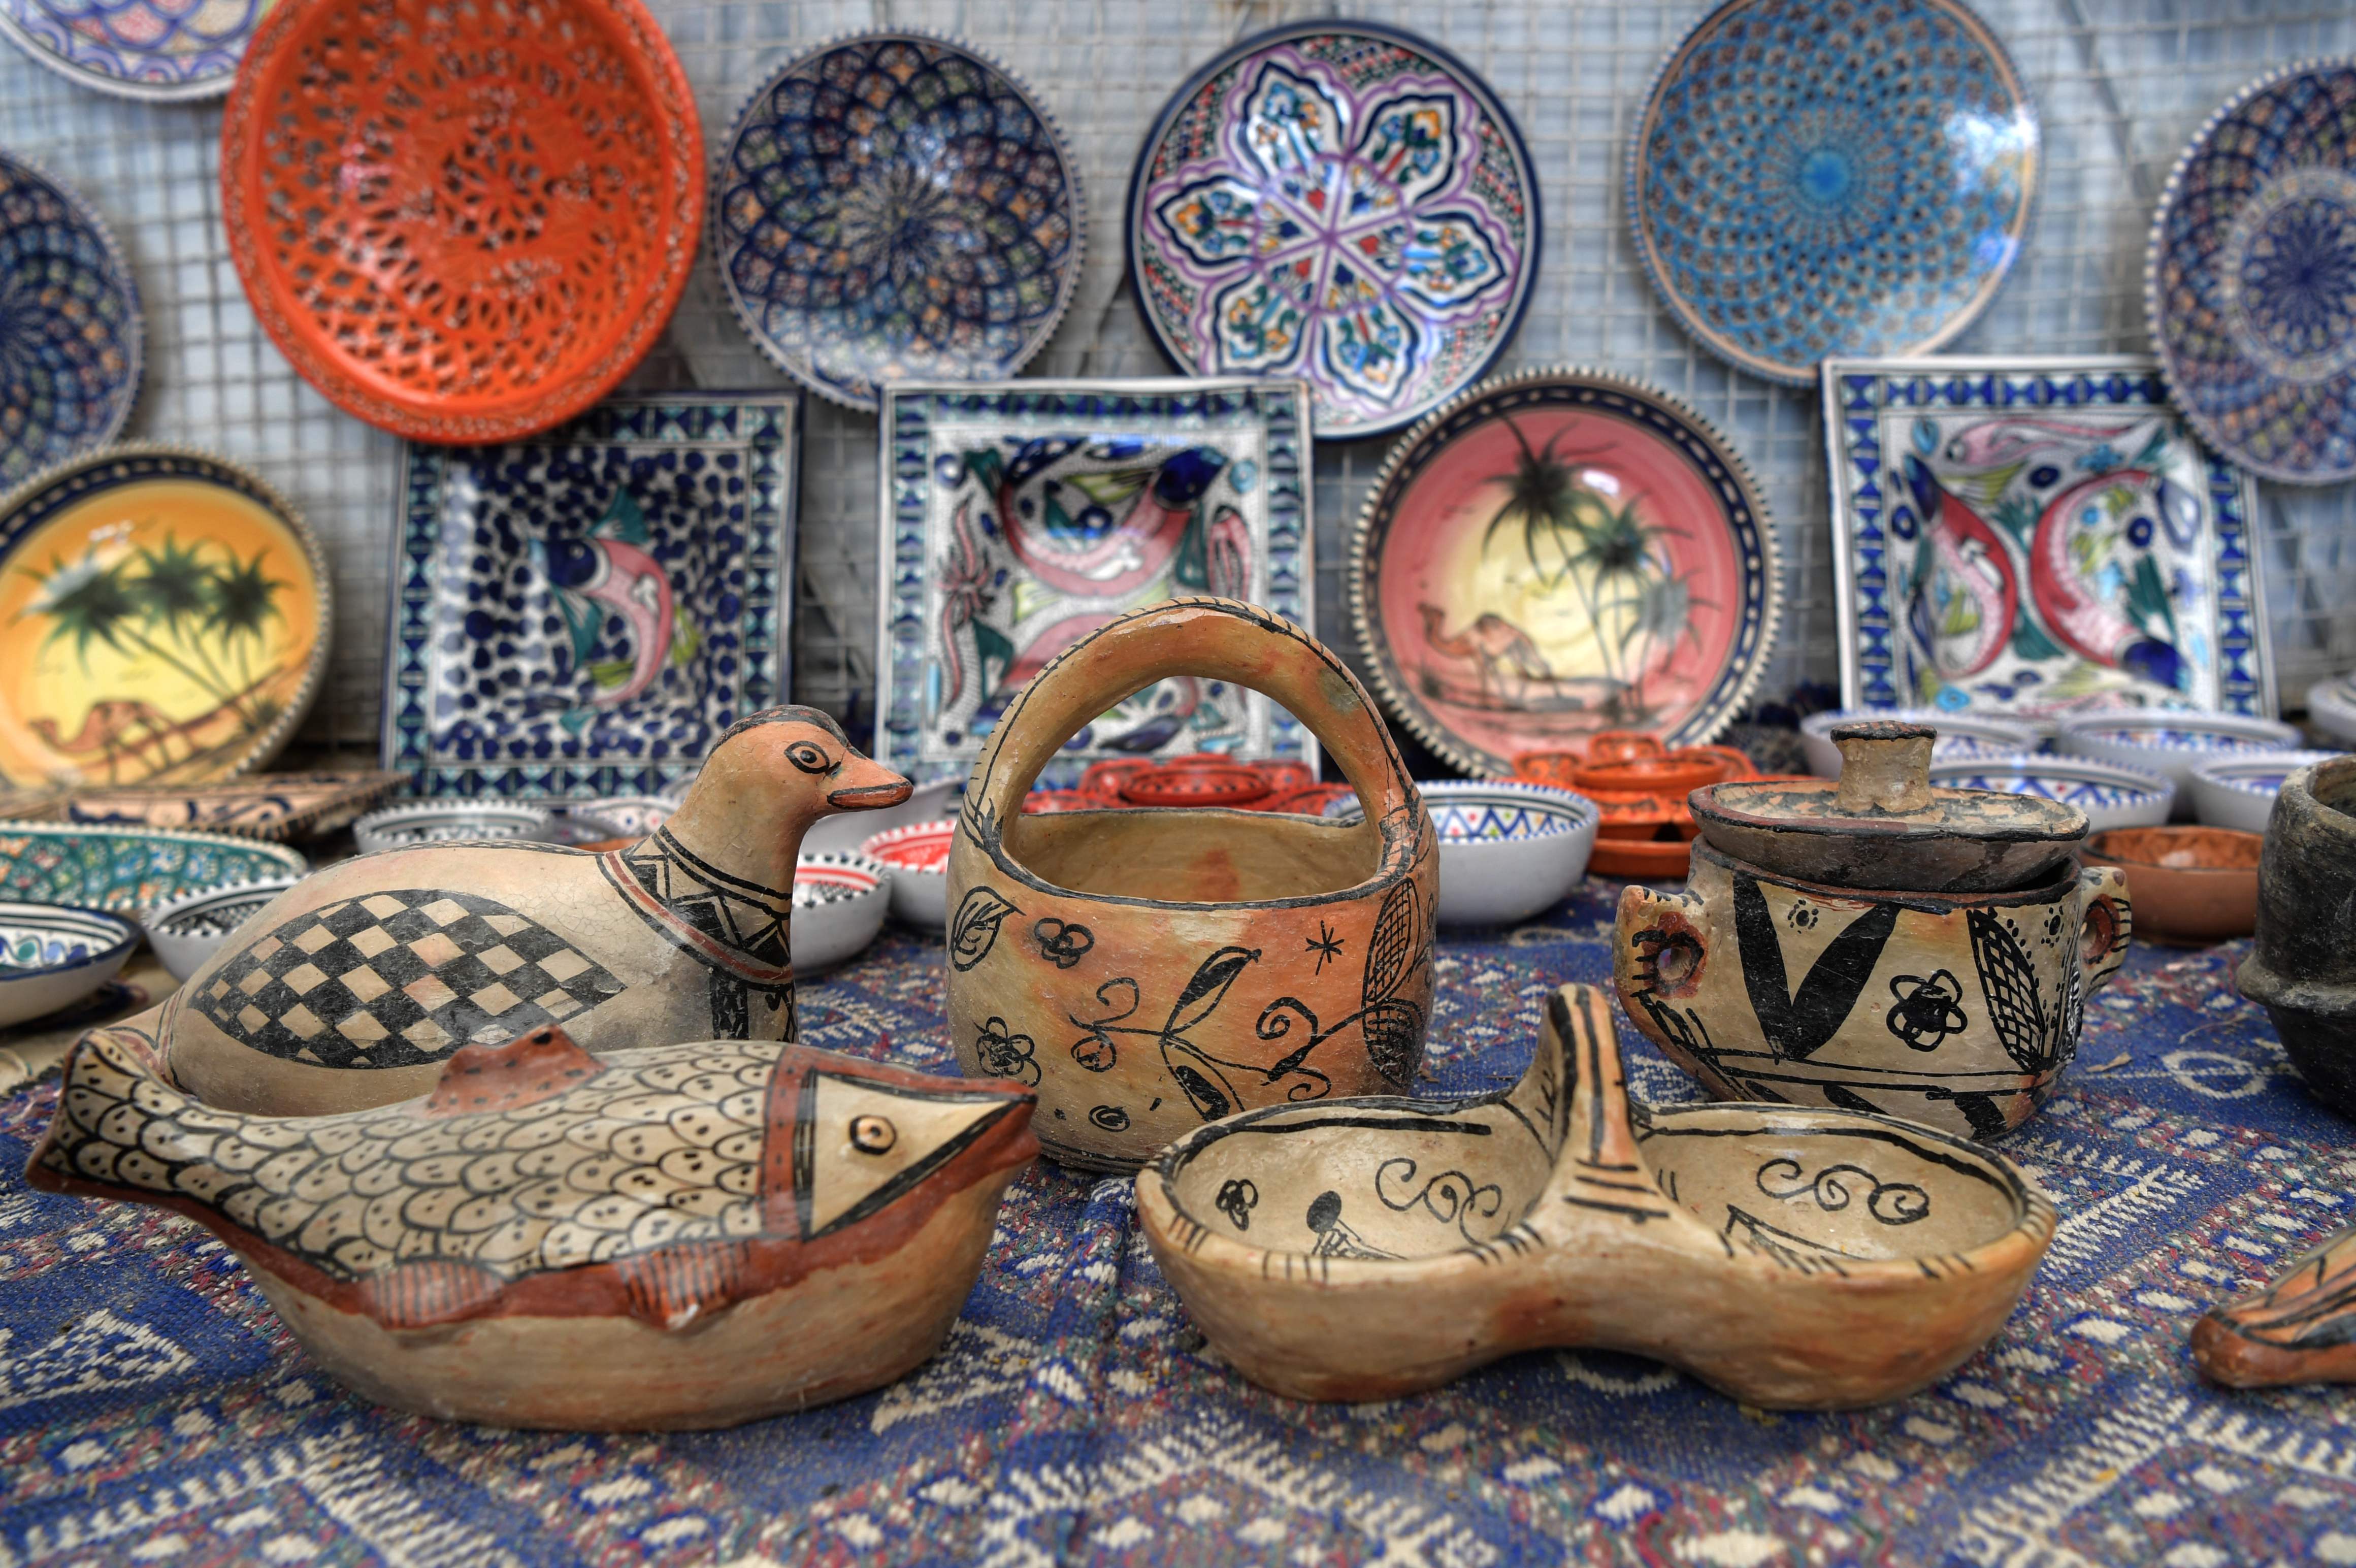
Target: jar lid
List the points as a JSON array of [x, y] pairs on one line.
[[1882, 825]]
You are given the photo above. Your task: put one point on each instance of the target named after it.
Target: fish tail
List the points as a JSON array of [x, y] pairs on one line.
[[116, 1110]]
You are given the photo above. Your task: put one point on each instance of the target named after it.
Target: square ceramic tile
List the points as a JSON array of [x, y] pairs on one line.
[[584, 612], [2039, 537], [1020, 517]]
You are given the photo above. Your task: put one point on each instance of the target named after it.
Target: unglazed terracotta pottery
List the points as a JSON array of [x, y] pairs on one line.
[[1557, 553], [2170, 744], [1151, 970], [2246, 280], [1960, 735], [2037, 538], [2304, 971], [2191, 885], [430, 821], [538, 173], [2299, 1329], [1365, 1250], [1507, 849], [918, 858], [1958, 1009], [840, 902], [98, 684], [274, 806], [680, 1236], [70, 337], [2111, 796], [354, 987], [2239, 792], [1882, 824], [51, 956], [188, 930]]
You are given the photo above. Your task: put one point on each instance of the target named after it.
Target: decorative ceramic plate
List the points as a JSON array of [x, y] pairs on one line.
[[1340, 201], [164, 618], [2251, 279], [164, 52], [461, 220], [1812, 177], [129, 871], [274, 806], [2034, 538], [51, 958], [1021, 517], [414, 822], [896, 206], [1558, 552], [583, 613], [70, 325]]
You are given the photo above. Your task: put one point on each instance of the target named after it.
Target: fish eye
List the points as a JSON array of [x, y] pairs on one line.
[[872, 1134], [808, 757]]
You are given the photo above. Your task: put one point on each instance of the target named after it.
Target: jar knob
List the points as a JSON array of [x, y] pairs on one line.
[[1885, 766]]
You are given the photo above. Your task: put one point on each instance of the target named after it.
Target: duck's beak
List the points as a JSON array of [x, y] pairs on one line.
[[868, 786]]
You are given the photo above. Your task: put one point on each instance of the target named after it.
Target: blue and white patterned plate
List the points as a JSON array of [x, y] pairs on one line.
[[1811, 178], [896, 206], [2239, 792], [129, 871], [69, 328], [2250, 282], [1507, 849], [2110, 795], [164, 52], [53, 956]]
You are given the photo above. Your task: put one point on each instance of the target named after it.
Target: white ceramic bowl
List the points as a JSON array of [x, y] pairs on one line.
[[53, 955], [2171, 742], [2111, 796], [840, 902], [2239, 792], [428, 821], [844, 832], [2332, 707], [191, 929], [1960, 735], [918, 856], [1507, 850]]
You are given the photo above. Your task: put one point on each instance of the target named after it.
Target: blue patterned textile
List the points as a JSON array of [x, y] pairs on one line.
[[151, 1410]]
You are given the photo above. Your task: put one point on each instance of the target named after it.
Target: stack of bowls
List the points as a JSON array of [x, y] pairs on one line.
[[2170, 744]]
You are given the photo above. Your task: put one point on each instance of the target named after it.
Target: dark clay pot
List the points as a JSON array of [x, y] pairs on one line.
[[2304, 971]]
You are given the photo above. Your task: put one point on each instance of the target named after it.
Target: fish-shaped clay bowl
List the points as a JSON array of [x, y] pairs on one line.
[[1367, 1248], [51, 956], [190, 929], [682, 1236]]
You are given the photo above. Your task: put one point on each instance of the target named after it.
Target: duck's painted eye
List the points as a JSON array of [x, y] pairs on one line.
[[808, 757], [872, 1134]]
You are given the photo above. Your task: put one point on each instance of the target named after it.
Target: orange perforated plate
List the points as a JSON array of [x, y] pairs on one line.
[[461, 221]]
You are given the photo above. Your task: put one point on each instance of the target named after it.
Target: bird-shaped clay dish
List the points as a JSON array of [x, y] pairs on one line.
[[355, 986], [1367, 1248], [683, 1236], [2300, 1329]]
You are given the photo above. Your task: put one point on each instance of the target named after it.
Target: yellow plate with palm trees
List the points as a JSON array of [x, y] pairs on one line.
[[1558, 552], [165, 617]]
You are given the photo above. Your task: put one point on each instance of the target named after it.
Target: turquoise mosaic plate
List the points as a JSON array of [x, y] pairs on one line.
[[128, 871]]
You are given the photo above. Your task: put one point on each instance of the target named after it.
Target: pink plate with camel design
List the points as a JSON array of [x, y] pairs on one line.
[[1558, 552]]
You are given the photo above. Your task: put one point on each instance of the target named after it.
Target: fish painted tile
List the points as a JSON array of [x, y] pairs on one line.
[[2039, 537], [586, 611], [1019, 518]]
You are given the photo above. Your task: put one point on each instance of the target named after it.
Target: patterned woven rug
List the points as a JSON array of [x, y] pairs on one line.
[[152, 1411]]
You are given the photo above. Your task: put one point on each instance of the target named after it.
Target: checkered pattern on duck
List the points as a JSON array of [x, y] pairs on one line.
[[399, 978]]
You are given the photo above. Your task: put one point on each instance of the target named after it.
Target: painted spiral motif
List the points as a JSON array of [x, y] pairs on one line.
[[2251, 281], [1813, 177], [897, 206], [70, 332]]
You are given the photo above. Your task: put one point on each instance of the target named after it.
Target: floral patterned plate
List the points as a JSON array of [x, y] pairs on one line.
[[2251, 280], [1557, 553], [1340, 201], [69, 328], [165, 51], [129, 871], [896, 206], [165, 618]]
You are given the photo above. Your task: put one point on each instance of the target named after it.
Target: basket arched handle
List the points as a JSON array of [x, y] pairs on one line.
[[1219, 640]]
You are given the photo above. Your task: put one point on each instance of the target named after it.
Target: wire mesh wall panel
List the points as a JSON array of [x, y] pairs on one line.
[[2119, 86]]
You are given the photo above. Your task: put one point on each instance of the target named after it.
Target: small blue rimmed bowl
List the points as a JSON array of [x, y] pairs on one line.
[[1960, 735], [435, 822], [1507, 849], [840, 902], [2239, 792], [53, 955], [2171, 742], [189, 930], [2110, 795]]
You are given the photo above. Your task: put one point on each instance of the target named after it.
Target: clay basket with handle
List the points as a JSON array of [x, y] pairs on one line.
[[1148, 972], [1789, 1257]]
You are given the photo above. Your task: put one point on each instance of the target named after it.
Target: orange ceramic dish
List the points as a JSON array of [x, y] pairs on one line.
[[461, 223], [2190, 885]]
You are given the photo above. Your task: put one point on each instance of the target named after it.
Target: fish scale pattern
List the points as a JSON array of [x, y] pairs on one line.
[[153, 1410]]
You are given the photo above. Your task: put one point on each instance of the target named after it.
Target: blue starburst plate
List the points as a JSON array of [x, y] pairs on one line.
[[70, 325], [2251, 278], [896, 206], [1811, 178]]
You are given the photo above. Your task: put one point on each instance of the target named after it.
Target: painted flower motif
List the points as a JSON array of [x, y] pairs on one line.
[[1005, 1054]]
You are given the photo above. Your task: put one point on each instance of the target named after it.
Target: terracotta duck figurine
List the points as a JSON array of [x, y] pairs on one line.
[[683, 1236], [357, 984]]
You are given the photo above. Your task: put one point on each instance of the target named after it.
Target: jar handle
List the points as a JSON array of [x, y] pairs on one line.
[[1220, 639], [2106, 925]]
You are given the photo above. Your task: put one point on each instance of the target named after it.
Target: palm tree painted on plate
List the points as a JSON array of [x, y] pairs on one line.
[[1618, 564], [203, 612]]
